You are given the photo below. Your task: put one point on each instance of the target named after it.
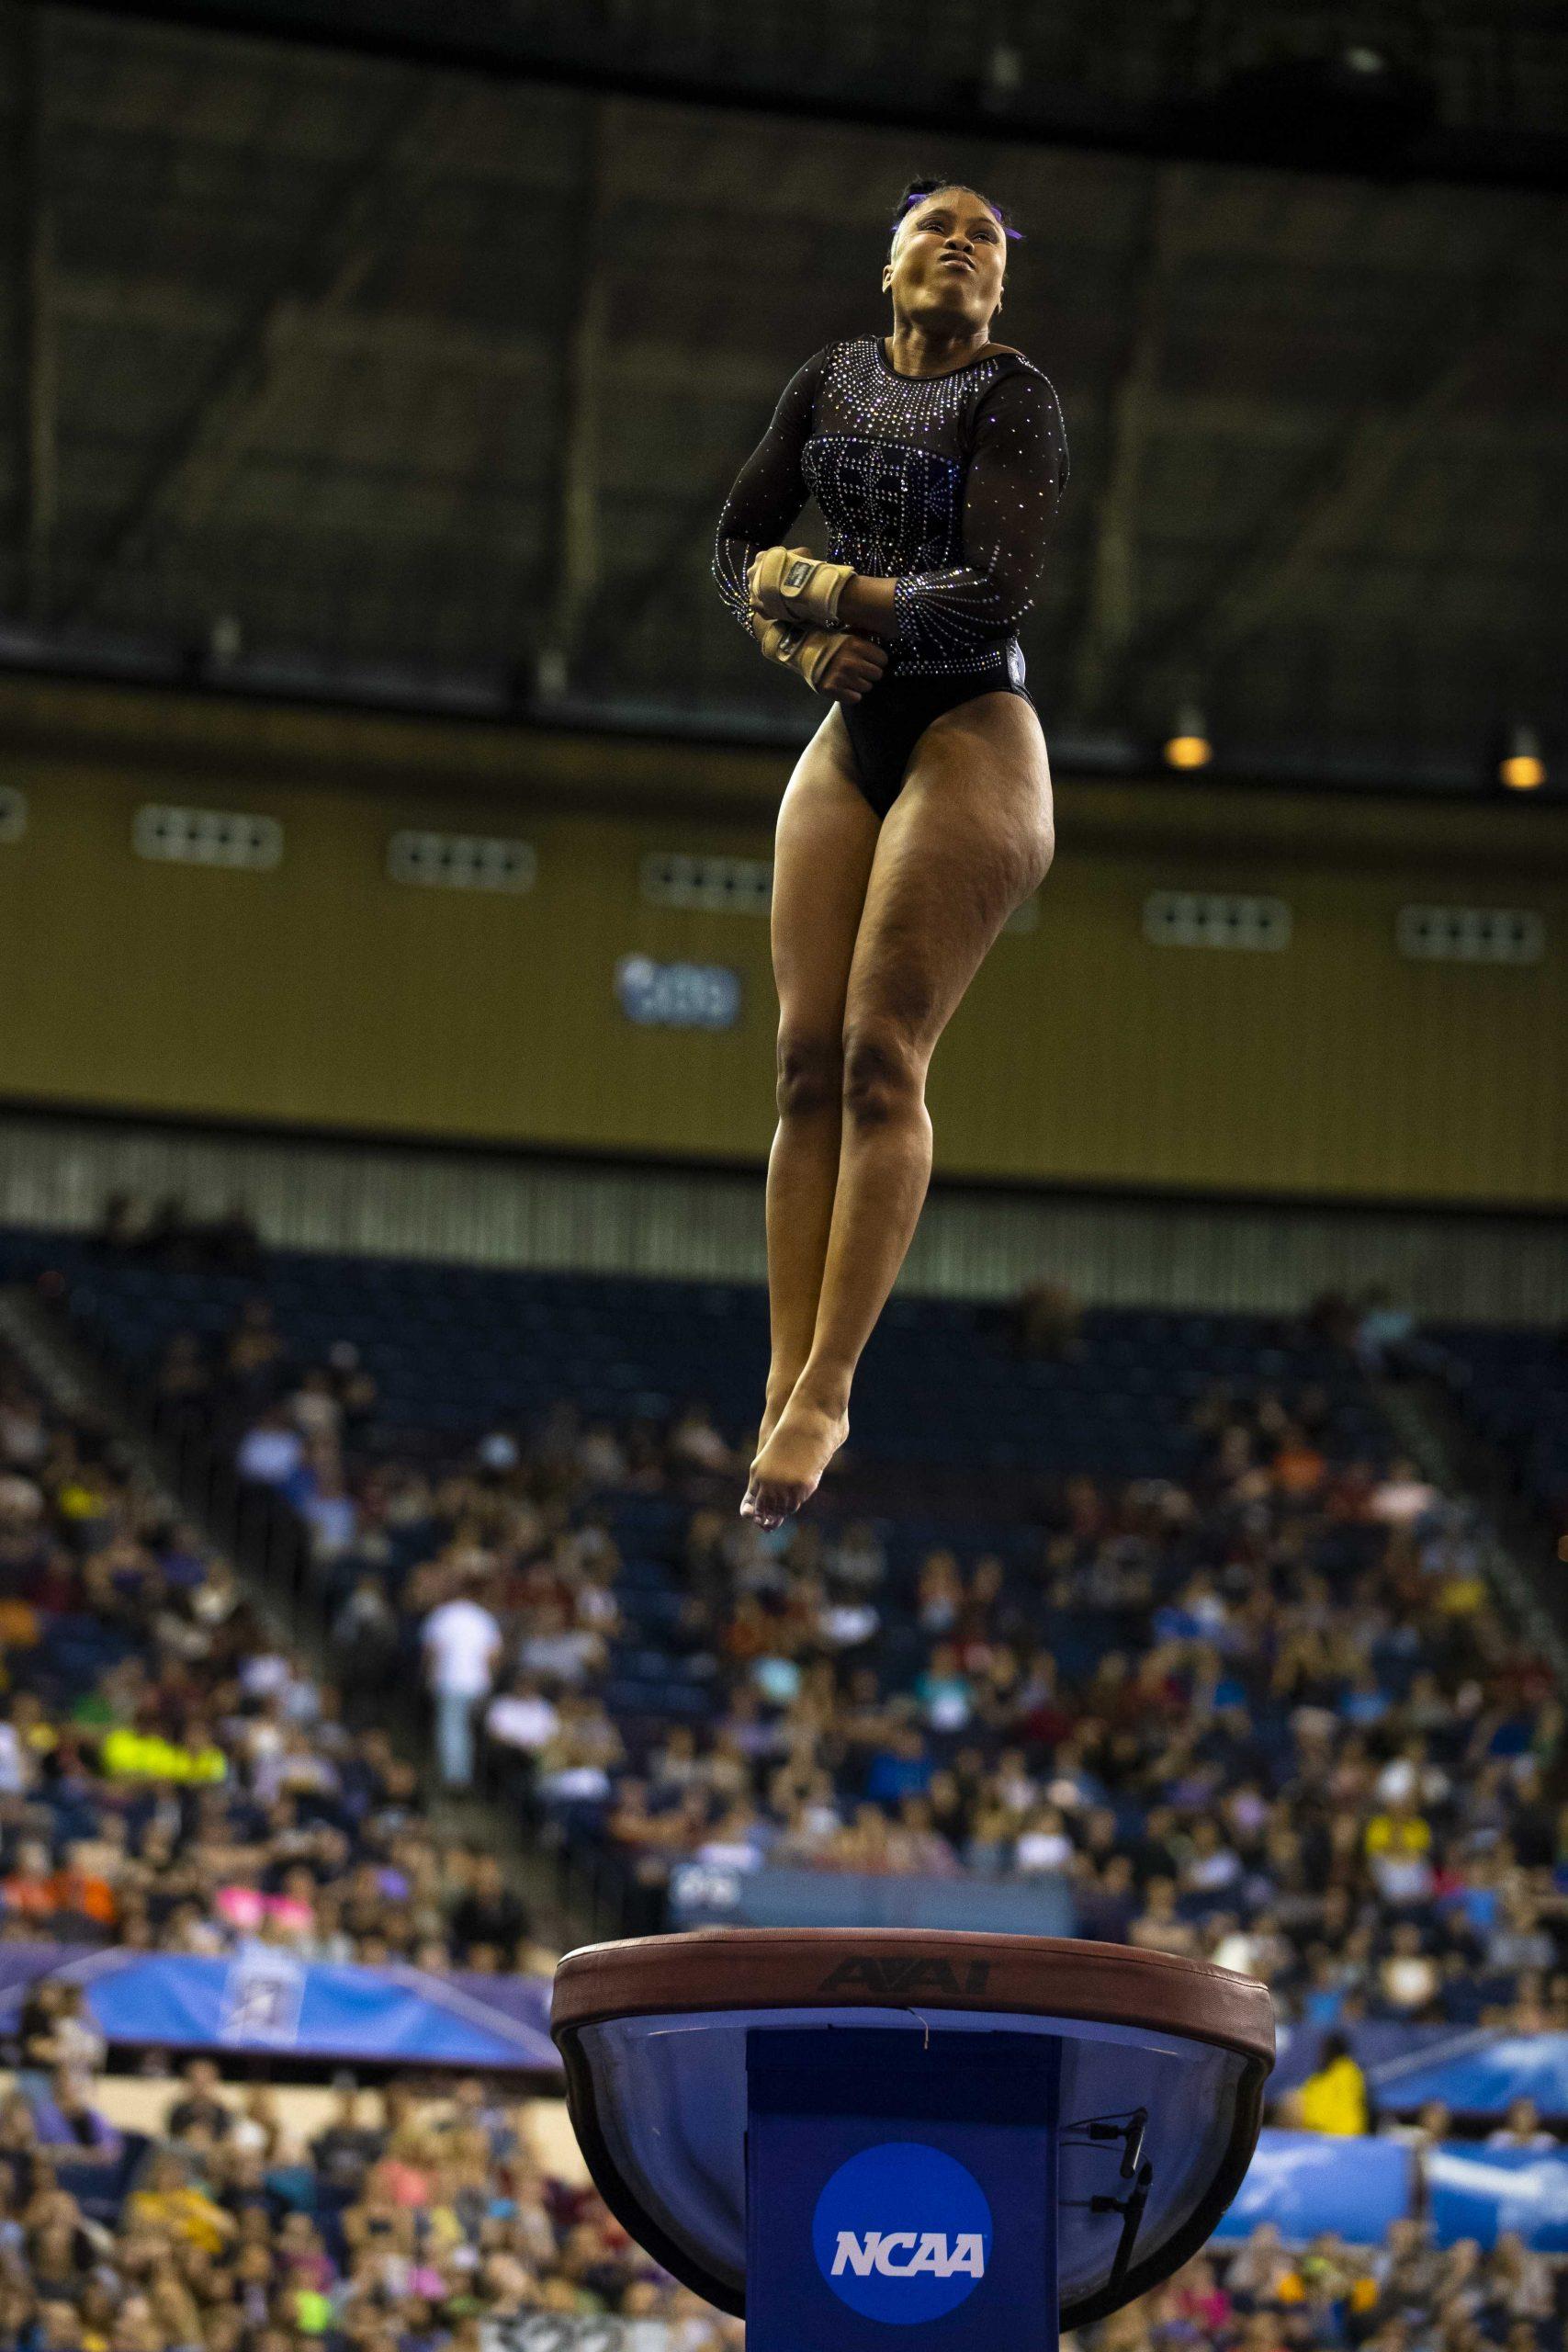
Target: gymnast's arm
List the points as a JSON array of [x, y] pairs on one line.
[[1017, 472], [769, 492]]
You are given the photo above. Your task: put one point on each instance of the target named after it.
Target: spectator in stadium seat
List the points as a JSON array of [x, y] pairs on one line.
[[1518, 1940], [1404, 1499], [1042, 1843], [1408, 1978], [736, 1842], [695, 1444], [488, 1912], [1422, 2131], [27, 1889], [1334, 2097], [200, 2107], [346, 2149], [1519, 2284], [1159, 1926], [169, 2200], [901, 1765], [522, 1720], [56, 2031], [328, 1510], [856, 1556], [1522, 2128], [1212, 1867], [1398, 1844], [364, 1646], [945, 1693], [1108, 1901], [67, 2121], [58, 2329], [559, 1649], [462, 1646], [272, 1452], [1258, 2269]]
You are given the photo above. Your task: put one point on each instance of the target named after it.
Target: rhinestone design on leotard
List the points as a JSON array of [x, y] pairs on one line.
[[946, 484]]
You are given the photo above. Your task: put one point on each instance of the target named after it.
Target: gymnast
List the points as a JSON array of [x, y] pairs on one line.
[[919, 816]]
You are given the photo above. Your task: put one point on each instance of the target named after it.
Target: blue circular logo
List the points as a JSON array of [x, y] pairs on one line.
[[902, 2233]]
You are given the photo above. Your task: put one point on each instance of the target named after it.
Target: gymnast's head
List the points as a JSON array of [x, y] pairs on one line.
[[947, 257]]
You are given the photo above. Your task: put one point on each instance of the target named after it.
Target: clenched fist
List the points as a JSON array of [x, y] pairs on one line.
[[852, 668]]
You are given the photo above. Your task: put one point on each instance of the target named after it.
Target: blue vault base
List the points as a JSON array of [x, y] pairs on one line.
[[901, 2186], [865, 2140]]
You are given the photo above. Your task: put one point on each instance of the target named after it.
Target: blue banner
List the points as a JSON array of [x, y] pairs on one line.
[[1482, 2074], [1481, 2192], [1383, 2047], [261, 1998], [1307, 2181]]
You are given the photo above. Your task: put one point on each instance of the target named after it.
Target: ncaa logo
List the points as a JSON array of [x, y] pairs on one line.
[[902, 2233]]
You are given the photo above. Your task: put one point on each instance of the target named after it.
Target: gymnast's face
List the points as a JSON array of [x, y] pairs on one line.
[[945, 268]]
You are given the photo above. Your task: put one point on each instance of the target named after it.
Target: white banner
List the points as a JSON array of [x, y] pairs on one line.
[[558, 2332]]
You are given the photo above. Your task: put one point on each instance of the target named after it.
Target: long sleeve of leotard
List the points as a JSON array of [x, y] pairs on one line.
[[770, 489], [1018, 468]]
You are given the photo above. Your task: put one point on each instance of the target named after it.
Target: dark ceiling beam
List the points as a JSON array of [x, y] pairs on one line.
[[475, 36], [574, 553], [1110, 604], [33, 311], [367, 212]]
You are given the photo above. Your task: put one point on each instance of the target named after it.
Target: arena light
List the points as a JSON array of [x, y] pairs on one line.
[[1521, 767], [1188, 744]]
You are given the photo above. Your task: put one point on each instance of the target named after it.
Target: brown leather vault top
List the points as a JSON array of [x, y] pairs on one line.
[[913, 1968]]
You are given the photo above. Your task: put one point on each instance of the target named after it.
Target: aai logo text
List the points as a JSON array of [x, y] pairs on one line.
[[902, 2233]]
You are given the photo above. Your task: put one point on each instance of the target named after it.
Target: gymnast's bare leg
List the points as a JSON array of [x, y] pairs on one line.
[[826, 840], [969, 837]]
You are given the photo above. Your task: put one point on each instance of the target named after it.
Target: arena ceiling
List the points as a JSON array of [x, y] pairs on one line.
[[335, 368]]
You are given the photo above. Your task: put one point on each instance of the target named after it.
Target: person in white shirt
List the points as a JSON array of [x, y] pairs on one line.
[[1042, 1843], [271, 1451], [461, 1644], [522, 1717], [1402, 1496]]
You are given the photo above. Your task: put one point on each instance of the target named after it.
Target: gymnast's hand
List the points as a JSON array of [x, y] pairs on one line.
[[853, 665], [793, 584], [841, 662]]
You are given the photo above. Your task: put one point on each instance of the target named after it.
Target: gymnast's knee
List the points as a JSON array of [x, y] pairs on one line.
[[885, 1073], [810, 1074]]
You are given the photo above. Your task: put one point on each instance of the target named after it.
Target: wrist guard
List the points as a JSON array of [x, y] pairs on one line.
[[805, 651], [793, 584]]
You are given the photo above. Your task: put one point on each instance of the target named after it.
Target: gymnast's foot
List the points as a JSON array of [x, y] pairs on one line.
[[789, 1467]]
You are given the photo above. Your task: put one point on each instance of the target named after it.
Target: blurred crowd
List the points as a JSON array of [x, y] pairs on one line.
[[1404, 2295], [171, 1775], [402, 2225], [1294, 1734], [1267, 1715], [405, 2224]]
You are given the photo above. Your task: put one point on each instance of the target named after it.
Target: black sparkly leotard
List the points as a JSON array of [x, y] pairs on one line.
[[945, 484]]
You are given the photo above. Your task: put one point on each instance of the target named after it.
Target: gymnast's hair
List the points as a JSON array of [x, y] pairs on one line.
[[917, 190]]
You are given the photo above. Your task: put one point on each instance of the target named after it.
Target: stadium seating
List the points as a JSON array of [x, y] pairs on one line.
[[1512, 1381], [1270, 1716]]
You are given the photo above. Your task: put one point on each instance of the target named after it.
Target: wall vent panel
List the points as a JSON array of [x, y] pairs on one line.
[[1216, 919], [462, 862], [1470, 934], [221, 837]]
